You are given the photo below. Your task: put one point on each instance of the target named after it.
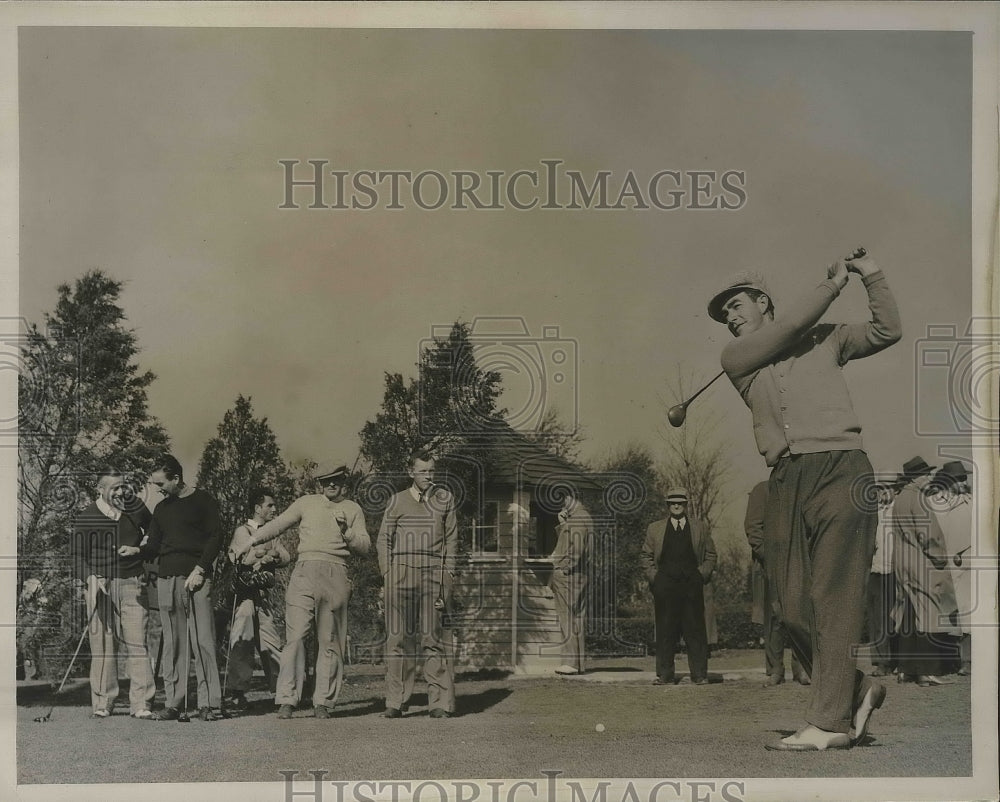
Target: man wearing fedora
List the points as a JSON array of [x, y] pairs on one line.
[[821, 517], [925, 611], [679, 558], [331, 529]]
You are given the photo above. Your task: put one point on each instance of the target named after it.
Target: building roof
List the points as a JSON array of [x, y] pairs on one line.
[[516, 460]]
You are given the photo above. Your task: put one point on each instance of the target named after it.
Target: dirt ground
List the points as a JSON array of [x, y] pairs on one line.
[[506, 726]]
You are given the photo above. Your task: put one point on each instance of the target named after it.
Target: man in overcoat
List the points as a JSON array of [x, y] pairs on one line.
[[679, 558]]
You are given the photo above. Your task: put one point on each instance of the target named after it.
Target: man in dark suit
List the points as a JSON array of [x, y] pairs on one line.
[[679, 557]]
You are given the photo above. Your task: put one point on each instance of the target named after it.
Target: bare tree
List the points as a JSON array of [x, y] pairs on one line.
[[694, 457]]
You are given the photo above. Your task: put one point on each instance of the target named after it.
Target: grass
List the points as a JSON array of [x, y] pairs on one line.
[[508, 727]]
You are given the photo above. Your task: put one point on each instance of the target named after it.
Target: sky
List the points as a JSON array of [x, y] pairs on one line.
[[154, 154]]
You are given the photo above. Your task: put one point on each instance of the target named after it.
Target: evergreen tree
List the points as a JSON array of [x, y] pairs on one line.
[[82, 407], [242, 457]]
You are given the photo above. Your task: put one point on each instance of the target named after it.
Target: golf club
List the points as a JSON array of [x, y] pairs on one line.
[[229, 649], [79, 645], [184, 718], [678, 413]]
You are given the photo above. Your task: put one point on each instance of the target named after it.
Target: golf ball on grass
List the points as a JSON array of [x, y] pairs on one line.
[[599, 728]]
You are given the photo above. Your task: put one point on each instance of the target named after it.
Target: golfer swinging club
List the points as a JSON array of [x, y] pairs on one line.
[[820, 519]]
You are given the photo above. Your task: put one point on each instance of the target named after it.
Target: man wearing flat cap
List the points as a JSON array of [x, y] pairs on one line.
[[679, 558], [821, 516], [925, 611], [331, 528]]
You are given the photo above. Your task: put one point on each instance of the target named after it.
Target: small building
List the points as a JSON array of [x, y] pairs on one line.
[[505, 614]]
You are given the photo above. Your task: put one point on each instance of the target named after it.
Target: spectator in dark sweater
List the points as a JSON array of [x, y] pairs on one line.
[[116, 595], [185, 535]]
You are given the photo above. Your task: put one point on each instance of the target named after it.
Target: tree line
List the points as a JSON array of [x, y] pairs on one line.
[[83, 406]]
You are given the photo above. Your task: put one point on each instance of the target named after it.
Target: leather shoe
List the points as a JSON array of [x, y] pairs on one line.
[[773, 679], [700, 681], [964, 671], [567, 670], [440, 712], [321, 711], [664, 681], [811, 739], [802, 679], [168, 714], [207, 714], [392, 712], [285, 711]]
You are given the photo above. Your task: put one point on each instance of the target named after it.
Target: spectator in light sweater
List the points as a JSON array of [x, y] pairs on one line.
[[820, 515], [331, 527], [186, 536], [115, 586], [417, 545]]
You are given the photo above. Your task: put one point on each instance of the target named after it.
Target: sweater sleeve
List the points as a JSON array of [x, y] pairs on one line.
[[744, 355], [79, 549], [153, 540], [356, 534], [289, 518], [386, 537], [240, 541], [858, 340], [213, 527]]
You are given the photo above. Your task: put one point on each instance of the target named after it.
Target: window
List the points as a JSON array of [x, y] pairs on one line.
[[486, 530]]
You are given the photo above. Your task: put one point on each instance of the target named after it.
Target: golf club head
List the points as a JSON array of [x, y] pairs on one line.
[[43, 719], [183, 718], [677, 414]]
